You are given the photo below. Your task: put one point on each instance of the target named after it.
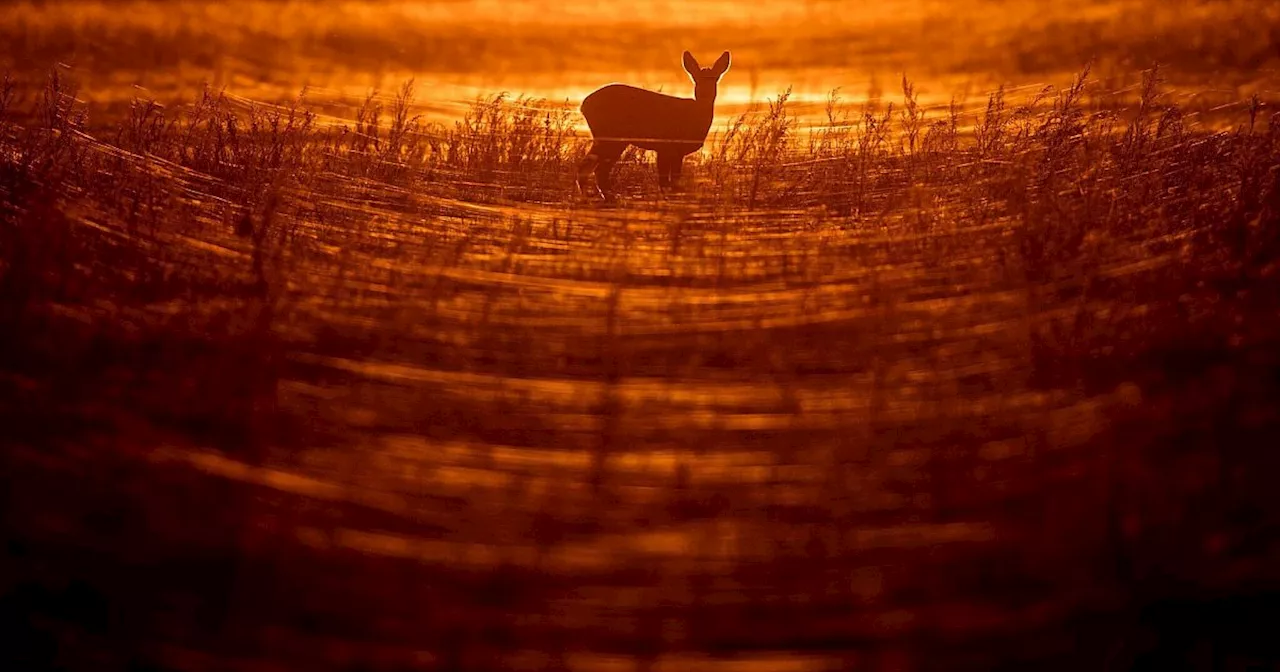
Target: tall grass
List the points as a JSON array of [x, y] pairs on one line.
[[1074, 180], [523, 146], [1078, 185], [1040, 326]]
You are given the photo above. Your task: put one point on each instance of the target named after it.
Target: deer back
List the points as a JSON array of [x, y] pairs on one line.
[[640, 117]]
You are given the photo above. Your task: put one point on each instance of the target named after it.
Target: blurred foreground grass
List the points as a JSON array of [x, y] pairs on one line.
[[907, 389]]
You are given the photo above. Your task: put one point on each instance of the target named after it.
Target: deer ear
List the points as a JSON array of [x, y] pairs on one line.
[[691, 64], [721, 64]]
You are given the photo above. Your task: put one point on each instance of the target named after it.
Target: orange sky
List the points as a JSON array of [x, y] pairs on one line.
[[456, 51]]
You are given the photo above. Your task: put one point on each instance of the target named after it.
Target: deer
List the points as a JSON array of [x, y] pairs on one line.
[[620, 115]]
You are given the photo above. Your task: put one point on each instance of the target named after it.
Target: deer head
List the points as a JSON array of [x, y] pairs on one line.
[[705, 79]]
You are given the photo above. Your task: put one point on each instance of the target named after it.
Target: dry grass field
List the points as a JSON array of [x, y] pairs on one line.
[[312, 358]]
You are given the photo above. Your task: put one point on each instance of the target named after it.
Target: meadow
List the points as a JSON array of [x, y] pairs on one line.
[[311, 357]]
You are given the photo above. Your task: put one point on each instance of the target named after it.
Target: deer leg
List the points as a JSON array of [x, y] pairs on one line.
[[607, 154], [587, 165], [604, 178], [665, 164], [677, 163]]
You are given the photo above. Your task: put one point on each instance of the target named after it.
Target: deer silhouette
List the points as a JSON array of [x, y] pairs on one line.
[[621, 115]]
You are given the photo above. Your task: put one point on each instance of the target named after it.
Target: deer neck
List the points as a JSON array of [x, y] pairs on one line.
[[705, 102]]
